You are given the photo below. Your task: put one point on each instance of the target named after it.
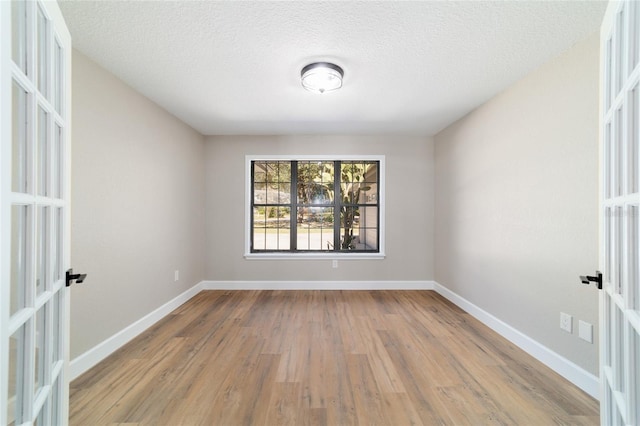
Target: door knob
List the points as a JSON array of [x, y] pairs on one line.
[[597, 278], [78, 278]]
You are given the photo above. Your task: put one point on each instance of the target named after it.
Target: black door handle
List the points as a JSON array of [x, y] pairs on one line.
[[597, 278], [78, 278]]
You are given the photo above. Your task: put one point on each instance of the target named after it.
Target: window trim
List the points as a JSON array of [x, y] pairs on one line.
[[315, 255]]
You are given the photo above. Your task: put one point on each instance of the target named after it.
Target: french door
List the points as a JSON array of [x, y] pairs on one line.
[[620, 223], [35, 65]]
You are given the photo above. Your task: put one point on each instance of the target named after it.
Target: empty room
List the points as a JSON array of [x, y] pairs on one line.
[[320, 212]]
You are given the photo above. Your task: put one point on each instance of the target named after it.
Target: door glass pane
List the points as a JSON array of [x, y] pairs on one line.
[[42, 167], [634, 256], [620, 49], [618, 249], [608, 80], [635, 35], [43, 415], [619, 366], [16, 376], [635, 362], [55, 329], [55, 403], [634, 140], [40, 349], [42, 52], [57, 244], [56, 162], [606, 335], [57, 77], [618, 140], [19, 268], [19, 144], [42, 254], [607, 244], [19, 34]]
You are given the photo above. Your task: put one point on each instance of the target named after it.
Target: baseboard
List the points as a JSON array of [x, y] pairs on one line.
[[318, 285], [84, 362], [567, 369]]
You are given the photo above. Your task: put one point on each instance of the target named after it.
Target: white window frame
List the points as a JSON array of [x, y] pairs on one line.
[[315, 255]]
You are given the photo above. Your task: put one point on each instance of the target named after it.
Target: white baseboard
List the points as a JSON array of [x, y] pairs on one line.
[[84, 362], [567, 369], [318, 285]]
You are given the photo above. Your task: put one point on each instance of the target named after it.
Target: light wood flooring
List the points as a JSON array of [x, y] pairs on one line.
[[323, 358]]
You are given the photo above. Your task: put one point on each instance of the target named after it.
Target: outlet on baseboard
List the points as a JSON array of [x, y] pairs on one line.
[[176, 275], [566, 322]]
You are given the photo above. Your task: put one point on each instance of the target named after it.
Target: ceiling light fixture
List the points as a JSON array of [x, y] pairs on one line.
[[320, 77]]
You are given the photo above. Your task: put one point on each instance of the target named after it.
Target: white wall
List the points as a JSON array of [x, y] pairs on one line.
[[137, 205], [517, 203], [409, 209]]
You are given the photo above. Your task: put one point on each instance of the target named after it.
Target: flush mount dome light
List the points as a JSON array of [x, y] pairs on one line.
[[321, 77]]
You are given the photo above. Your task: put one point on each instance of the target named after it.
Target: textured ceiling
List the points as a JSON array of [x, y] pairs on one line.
[[233, 67]]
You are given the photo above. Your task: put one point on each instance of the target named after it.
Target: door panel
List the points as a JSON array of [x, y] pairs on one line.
[[620, 207], [34, 216]]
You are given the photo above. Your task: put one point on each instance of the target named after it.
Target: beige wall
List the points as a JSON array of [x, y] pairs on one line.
[[409, 208], [138, 209], [517, 202]]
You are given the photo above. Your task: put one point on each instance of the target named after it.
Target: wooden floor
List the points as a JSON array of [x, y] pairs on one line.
[[323, 358]]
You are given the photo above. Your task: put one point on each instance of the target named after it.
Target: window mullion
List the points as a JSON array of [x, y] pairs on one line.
[[378, 204], [253, 200], [293, 235], [337, 201]]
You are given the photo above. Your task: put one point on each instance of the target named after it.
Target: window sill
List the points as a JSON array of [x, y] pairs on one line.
[[314, 256]]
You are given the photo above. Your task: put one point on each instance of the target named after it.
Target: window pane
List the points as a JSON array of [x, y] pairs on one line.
[[271, 228], [315, 205], [352, 179], [284, 193], [368, 229], [315, 228], [284, 171], [259, 171], [19, 232], [259, 193], [358, 228]]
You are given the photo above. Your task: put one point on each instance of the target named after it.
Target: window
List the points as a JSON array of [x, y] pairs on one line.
[[315, 207]]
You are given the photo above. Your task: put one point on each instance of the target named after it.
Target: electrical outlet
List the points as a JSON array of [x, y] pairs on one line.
[[176, 275], [585, 331], [566, 322], [334, 263]]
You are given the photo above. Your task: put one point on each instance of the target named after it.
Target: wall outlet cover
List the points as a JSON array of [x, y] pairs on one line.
[[585, 331], [566, 322]]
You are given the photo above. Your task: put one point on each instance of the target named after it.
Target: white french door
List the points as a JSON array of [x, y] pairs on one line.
[[35, 65], [620, 223]]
